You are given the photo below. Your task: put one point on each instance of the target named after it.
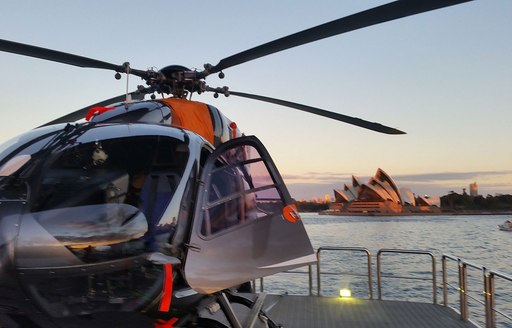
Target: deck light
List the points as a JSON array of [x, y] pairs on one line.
[[345, 292]]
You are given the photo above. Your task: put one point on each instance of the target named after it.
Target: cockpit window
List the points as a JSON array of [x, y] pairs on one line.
[[240, 189], [13, 165], [14, 154], [139, 171], [27, 143]]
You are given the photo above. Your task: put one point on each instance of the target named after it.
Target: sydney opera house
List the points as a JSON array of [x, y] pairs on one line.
[[381, 196]]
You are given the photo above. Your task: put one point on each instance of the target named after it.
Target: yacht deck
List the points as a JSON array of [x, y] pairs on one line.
[[311, 311], [291, 311]]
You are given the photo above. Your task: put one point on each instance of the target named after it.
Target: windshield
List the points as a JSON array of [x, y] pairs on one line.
[[102, 191], [131, 170], [27, 143], [80, 165], [14, 154]]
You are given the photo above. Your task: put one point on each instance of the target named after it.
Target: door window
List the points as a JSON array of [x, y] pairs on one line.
[[240, 188]]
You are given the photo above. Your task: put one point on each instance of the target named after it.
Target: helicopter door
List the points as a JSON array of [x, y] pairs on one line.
[[244, 224]]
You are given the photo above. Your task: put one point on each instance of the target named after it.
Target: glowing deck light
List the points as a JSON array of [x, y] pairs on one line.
[[344, 292]]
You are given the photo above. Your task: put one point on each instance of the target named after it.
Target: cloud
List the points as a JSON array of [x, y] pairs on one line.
[[489, 182], [308, 191], [451, 176], [317, 184], [318, 177]]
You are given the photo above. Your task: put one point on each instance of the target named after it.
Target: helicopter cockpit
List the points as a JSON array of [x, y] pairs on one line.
[[84, 168], [90, 194]]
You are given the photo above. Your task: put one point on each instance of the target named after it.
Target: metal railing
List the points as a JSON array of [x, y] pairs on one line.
[[309, 272], [489, 294], [488, 280], [407, 251], [350, 249]]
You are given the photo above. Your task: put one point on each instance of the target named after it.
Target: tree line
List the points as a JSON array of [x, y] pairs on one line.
[[455, 201]]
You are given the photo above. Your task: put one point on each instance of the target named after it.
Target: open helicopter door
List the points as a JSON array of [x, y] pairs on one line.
[[245, 225]]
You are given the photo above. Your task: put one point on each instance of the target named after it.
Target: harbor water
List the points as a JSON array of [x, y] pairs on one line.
[[473, 238]]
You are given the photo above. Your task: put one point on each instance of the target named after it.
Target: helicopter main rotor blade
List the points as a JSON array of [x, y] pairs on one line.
[[377, 15], [56, 56], [79, 114], [317, 111]]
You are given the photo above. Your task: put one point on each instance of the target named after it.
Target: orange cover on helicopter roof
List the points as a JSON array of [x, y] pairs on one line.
[[191, 115]]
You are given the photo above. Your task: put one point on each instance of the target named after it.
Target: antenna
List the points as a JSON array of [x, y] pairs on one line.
[[128, 100]]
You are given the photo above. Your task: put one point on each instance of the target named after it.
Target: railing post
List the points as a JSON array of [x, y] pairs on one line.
[[487, 296], [379, 277], [310, 279], [492, 299], [370, 274], [445, 282], [318, 288], [434, 279], [462, 290], [490, 315]]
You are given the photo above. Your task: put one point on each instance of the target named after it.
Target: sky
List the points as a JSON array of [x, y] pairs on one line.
[[444, 77]]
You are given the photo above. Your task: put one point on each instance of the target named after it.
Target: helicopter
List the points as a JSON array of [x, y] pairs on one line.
[[157, 206]]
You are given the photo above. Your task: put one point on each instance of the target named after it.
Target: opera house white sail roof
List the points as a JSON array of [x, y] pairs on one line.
[[381, 187], [380, 194]]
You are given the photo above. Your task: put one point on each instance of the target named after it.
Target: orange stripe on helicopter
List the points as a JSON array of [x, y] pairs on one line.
[[165, 303], [191, 115]]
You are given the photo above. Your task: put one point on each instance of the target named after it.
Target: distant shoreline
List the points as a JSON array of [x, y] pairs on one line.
[[468, 212]]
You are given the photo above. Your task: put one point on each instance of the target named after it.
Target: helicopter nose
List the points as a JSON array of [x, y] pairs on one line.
[[12, 297]]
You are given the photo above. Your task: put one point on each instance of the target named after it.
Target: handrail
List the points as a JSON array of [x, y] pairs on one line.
[[407, 251], [491, 275], [352, 249], [463, 285], [309, 273], [488, 277], [488, 292]]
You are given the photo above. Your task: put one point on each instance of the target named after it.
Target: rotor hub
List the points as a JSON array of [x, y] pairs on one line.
[[176, 80]]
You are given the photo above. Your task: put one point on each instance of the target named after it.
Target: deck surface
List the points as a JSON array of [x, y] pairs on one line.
[[290, 311], [303, 311]]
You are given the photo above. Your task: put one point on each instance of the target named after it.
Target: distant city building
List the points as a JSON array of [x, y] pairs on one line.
[[381, 196], [473, 189]]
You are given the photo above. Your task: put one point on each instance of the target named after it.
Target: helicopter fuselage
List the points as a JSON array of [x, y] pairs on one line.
[[114, 213]]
